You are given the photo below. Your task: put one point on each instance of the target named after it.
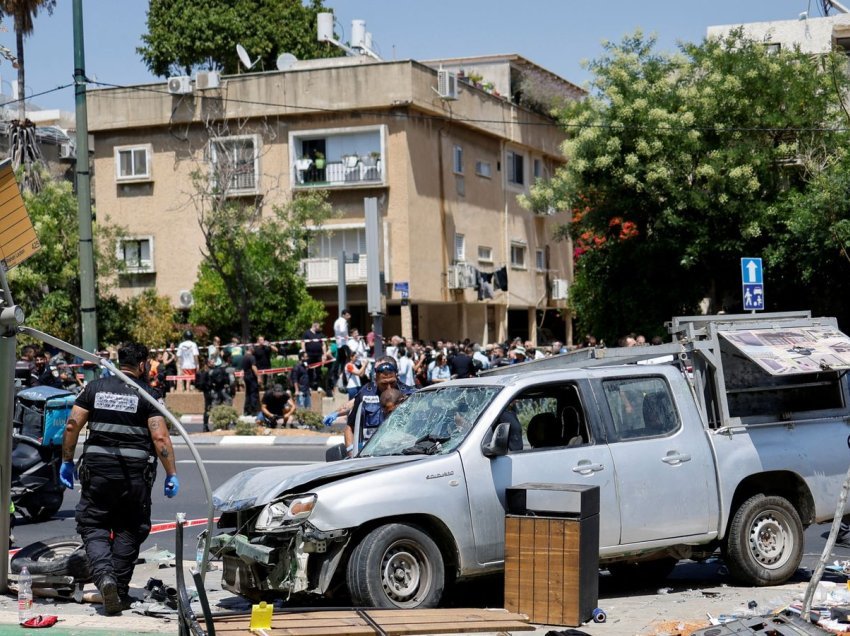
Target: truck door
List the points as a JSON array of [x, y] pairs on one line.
[[663, 464], [561, 444]]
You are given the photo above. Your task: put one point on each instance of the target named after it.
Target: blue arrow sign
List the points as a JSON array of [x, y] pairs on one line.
[[751, 272]]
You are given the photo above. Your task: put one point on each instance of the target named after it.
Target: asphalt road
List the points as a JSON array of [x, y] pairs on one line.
[[220, 462]]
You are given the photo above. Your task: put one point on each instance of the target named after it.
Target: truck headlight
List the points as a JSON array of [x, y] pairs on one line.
[[286, 512]]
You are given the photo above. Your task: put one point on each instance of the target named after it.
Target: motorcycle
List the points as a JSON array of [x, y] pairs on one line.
[[38, 426]]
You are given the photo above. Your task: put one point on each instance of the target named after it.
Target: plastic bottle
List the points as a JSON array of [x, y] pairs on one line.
[[24, 595]]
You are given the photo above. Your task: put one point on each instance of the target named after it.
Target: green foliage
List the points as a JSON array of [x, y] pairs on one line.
[[678, 165], [151, 319], [47, 285], [223, 417], [245, 427], [188, 34], [249, 280], [310, 418]]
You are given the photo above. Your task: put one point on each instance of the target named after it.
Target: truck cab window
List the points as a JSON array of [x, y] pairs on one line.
[[551, 417], [640, 407]]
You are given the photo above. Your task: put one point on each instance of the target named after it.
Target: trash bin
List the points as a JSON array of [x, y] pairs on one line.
[[552, 552]]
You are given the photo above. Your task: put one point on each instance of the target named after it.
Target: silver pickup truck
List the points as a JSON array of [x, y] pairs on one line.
[[733, 437]]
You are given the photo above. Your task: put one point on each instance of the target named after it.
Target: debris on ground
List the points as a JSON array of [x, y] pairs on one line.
[[161, 558]]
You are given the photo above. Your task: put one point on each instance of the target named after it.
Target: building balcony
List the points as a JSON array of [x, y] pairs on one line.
[[323, 271], [346, 172]]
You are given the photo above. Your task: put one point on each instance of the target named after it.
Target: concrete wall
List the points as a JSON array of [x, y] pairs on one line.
[[813, 35]]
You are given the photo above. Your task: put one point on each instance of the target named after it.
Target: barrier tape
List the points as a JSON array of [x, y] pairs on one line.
[[172, 525], [254, 344], [239, 374]]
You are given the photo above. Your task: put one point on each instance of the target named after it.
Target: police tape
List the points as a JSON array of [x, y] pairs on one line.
[[239, 374], [172, 525], [254, 344]]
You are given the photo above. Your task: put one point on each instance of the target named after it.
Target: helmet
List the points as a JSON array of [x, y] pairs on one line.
[[188, 335]]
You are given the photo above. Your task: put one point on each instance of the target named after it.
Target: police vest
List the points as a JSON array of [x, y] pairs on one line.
[[118, 421], [370, 414]]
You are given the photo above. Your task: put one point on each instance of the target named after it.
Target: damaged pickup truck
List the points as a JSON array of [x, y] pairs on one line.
[[734, 437]]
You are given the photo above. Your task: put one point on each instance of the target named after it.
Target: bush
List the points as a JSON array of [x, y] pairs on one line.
[[245, 427], [223, 417], [310, 418]]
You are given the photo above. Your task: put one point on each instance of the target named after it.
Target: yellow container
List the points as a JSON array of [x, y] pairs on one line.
[[261, 616]]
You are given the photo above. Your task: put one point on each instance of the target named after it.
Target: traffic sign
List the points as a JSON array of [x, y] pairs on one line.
[[752, 281], [753, 297], [751, 272]]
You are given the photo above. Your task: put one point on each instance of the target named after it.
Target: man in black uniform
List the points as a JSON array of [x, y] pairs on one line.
[[117, 471], [250, 375]]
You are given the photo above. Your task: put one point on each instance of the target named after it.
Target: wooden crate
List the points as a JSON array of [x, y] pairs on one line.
[[552, 568]]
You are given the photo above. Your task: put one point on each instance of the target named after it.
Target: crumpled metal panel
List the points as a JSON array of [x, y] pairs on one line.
[[259, 486], [239, 544]]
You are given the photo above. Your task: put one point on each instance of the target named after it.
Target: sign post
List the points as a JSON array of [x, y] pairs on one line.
[[752, 281]]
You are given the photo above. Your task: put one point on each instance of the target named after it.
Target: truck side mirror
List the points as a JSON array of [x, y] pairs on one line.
[[497, 444], [335, 453]]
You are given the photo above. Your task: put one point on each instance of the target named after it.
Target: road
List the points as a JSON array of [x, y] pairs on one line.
[[220, 462]]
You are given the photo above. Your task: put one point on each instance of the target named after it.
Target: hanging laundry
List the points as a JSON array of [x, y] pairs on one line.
[[500, 278]]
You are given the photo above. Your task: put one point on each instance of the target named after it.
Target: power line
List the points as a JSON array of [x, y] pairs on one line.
[[47, 92]]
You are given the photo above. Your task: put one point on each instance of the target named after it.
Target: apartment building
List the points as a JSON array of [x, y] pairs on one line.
[[816, 35], [446, 162]]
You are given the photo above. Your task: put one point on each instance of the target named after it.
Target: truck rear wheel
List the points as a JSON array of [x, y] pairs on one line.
[[765, 542], [396, 566]]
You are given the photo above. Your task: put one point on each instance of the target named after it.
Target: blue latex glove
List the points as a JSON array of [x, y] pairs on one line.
[[330, 418], [66, 474], [172, 486]]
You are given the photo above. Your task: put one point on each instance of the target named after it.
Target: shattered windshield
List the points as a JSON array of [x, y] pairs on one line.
[[430, 422]]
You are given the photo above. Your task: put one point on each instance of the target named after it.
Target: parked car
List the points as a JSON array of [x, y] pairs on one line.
[[737, 443]]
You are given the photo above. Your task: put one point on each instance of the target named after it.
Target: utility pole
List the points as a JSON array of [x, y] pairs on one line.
[[88, 307], [374, 291]]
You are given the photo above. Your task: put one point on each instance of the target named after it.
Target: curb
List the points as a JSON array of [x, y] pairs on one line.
[[260, 440]]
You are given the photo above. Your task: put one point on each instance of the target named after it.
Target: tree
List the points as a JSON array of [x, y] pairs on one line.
[[249, 279], [678, 165], [187, 34], [47, 285], [23, 145]]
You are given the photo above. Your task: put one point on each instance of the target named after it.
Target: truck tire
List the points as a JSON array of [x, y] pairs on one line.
[[60, 556], [396, 566], [765, 542]]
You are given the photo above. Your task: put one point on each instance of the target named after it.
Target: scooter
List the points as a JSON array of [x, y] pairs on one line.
[[39, 423]]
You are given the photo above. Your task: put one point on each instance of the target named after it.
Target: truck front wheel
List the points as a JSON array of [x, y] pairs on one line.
[[765, 542], [396, 566]]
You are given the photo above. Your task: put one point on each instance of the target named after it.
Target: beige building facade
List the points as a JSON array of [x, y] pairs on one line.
[[446, 174]]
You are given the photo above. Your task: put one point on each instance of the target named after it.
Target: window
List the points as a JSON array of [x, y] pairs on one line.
[[538, 168], [640, 407], [460, 247], [458, 159], [137, 254], [132, 163], [773, 48], [485, 254], [483, 169], [235, 164], [330, 241], [550, 416], [518, 255], [540, 260], [516, 168]]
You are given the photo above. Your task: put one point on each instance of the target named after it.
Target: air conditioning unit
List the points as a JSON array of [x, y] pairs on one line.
[[461, 276], [67, 151], [447, 84], [186, 299], [560, 289], [180, 85], [207, 79]]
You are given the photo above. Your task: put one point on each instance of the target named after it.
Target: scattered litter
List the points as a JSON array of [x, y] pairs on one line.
[[708, 594], [40, 621], [665, 590], [162, 558], [599, 615], [752, 605]]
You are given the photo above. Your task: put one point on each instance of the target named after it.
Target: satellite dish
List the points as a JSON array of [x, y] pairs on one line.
[[285, 61], [186, 299], [245, 58]]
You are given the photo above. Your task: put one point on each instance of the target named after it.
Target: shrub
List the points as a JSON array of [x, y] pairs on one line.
[[310, 419], [223, 417], [245, 427]]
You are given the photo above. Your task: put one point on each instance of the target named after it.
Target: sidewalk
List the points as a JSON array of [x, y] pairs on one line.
[[681, 606]]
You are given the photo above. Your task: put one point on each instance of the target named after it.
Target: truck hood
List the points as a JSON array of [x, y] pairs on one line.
[[259, 486]]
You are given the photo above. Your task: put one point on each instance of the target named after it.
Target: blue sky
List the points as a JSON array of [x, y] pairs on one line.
[[557, 34]]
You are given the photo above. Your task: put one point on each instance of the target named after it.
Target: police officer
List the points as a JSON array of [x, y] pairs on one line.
[[117, 471], [366, 414]]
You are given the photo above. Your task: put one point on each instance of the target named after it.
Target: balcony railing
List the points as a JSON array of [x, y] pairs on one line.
[[323, 271], [347, 172]]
